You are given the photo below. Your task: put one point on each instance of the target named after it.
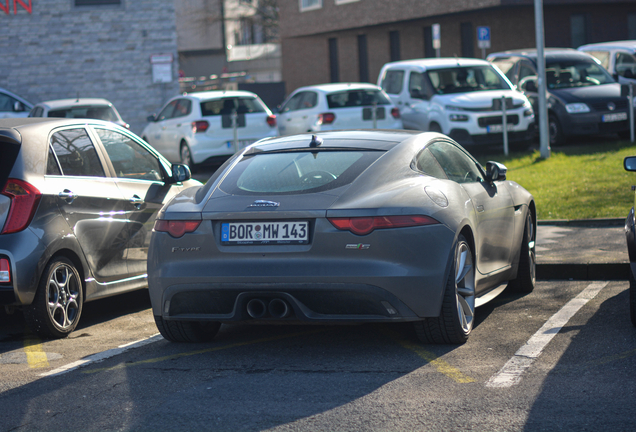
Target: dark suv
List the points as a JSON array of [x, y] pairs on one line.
[[583, 98], [78, 200]]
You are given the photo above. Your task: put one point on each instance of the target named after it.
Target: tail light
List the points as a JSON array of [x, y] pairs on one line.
[[395, 112], [176, 228], [326, 118], [24, 201], [5, 270], [200, 126], [271, 120], [365, 225]]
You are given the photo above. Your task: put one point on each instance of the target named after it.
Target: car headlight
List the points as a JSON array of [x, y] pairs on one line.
[[577, 108], [458, 117]]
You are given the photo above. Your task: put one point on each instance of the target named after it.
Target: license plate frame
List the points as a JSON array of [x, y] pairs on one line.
[[498, 128], [265, 233], [614, 117]]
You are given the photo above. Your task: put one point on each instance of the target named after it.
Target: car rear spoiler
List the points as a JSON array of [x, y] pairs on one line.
[[10, 143]]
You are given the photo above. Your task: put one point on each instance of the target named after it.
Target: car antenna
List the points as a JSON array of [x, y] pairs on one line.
[[316, 141]]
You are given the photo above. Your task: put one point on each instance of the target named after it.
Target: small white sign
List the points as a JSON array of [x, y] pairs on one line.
[[161, 68], [437, 38]]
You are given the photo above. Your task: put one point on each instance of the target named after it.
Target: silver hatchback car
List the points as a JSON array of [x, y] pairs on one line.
[[78, 200]]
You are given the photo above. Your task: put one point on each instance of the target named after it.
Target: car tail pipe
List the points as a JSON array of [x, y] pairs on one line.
[[278, 308], [256, 308]]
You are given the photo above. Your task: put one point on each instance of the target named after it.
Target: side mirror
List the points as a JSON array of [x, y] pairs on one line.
[[496, 171], [18, 107], [181, 173], [152, 118], [629, 163]]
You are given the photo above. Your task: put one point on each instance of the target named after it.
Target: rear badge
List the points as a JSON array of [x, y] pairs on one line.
[[358, 246], [264, 203]]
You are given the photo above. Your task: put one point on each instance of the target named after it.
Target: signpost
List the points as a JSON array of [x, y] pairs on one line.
[[437, 40], [483, 39]]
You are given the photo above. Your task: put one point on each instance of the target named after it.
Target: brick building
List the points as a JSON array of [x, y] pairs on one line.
[[54, 49], [349, 40]]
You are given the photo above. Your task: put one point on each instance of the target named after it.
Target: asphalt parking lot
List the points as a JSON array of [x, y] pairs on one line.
[[560, 358]]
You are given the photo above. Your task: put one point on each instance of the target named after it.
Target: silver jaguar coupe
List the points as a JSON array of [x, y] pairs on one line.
[[341, 227]]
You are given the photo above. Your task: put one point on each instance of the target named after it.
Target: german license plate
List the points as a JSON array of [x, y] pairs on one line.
[[248, 233], [241, 143], [614, 117], [498, 128]]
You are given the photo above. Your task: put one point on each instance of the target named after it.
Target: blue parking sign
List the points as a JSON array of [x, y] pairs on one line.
[[483, 37]]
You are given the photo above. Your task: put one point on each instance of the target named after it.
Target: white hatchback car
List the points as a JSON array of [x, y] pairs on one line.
[[337, 106], [91, 108], [198, 128], [459, 97]]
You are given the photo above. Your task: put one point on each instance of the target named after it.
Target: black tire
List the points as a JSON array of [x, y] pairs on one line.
[[555, 131], [434, 127], [185, 156], [187, 331], [527, 270], [455, 322], [632, 298], [58, 302]]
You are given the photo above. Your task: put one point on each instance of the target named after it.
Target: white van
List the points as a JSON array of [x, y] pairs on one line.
[[619, 58], [459, 97]]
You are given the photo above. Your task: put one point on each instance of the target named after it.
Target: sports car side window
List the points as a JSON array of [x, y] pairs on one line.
[[130, 159], [457, 165], [427, 163], [76, 153], [52, 168]]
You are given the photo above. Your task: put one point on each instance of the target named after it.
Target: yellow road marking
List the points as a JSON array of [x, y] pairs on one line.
[[202, 351], [36, 357]]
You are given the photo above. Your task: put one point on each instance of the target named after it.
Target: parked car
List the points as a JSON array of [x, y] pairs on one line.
[[460, 98], [78, 200], [197, 128], [341, 227], [583, 98], [89, 108], [12, 105], [337, 106], [619, 58], [629, 163]]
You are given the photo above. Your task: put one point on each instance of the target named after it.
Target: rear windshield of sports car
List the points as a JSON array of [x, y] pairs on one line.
[[298, 172], [466, 79], [354, 98], [242, 105]]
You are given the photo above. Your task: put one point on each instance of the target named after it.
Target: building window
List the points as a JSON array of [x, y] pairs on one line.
[[394, 44], [363, 58], [468, 41], [631, 26], [96, 2], [333, 60], [429, 51], [578, 30], [307, 5]]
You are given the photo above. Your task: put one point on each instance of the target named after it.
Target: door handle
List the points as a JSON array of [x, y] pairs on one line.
[[67, 196], [136, 201]]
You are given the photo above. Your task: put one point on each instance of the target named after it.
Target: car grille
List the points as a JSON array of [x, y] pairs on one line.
[[602, 106], [487, 121]]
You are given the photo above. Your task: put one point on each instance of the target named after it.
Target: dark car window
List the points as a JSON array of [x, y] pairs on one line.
[[52, 167], [392, 81], [182, 108], [309, 100], [568, 73], [297, 172], [526, 70], [457, 165], [466, 79], [36, 112], [76, 153], [6, 102], [427, 163], [242, 105], [168, 111], [626, 65], [92, 112], [129, 159], [294, 103], [355, 98], [419, 85]]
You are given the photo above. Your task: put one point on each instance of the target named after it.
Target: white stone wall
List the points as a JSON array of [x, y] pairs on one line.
[[60, 50]]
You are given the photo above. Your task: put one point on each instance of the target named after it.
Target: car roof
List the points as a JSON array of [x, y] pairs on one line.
[[339, 87], [551, 53], [76, 102], [626, 44], [438, 63], [218, 94]]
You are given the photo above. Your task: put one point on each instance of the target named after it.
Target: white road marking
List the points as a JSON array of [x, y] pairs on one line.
[[510, 373], [101, 356]]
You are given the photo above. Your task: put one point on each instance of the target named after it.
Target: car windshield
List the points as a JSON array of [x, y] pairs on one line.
[[353, 98], [297, 172], [575, 73], [242, 105], [91, 112], [466, 79]]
